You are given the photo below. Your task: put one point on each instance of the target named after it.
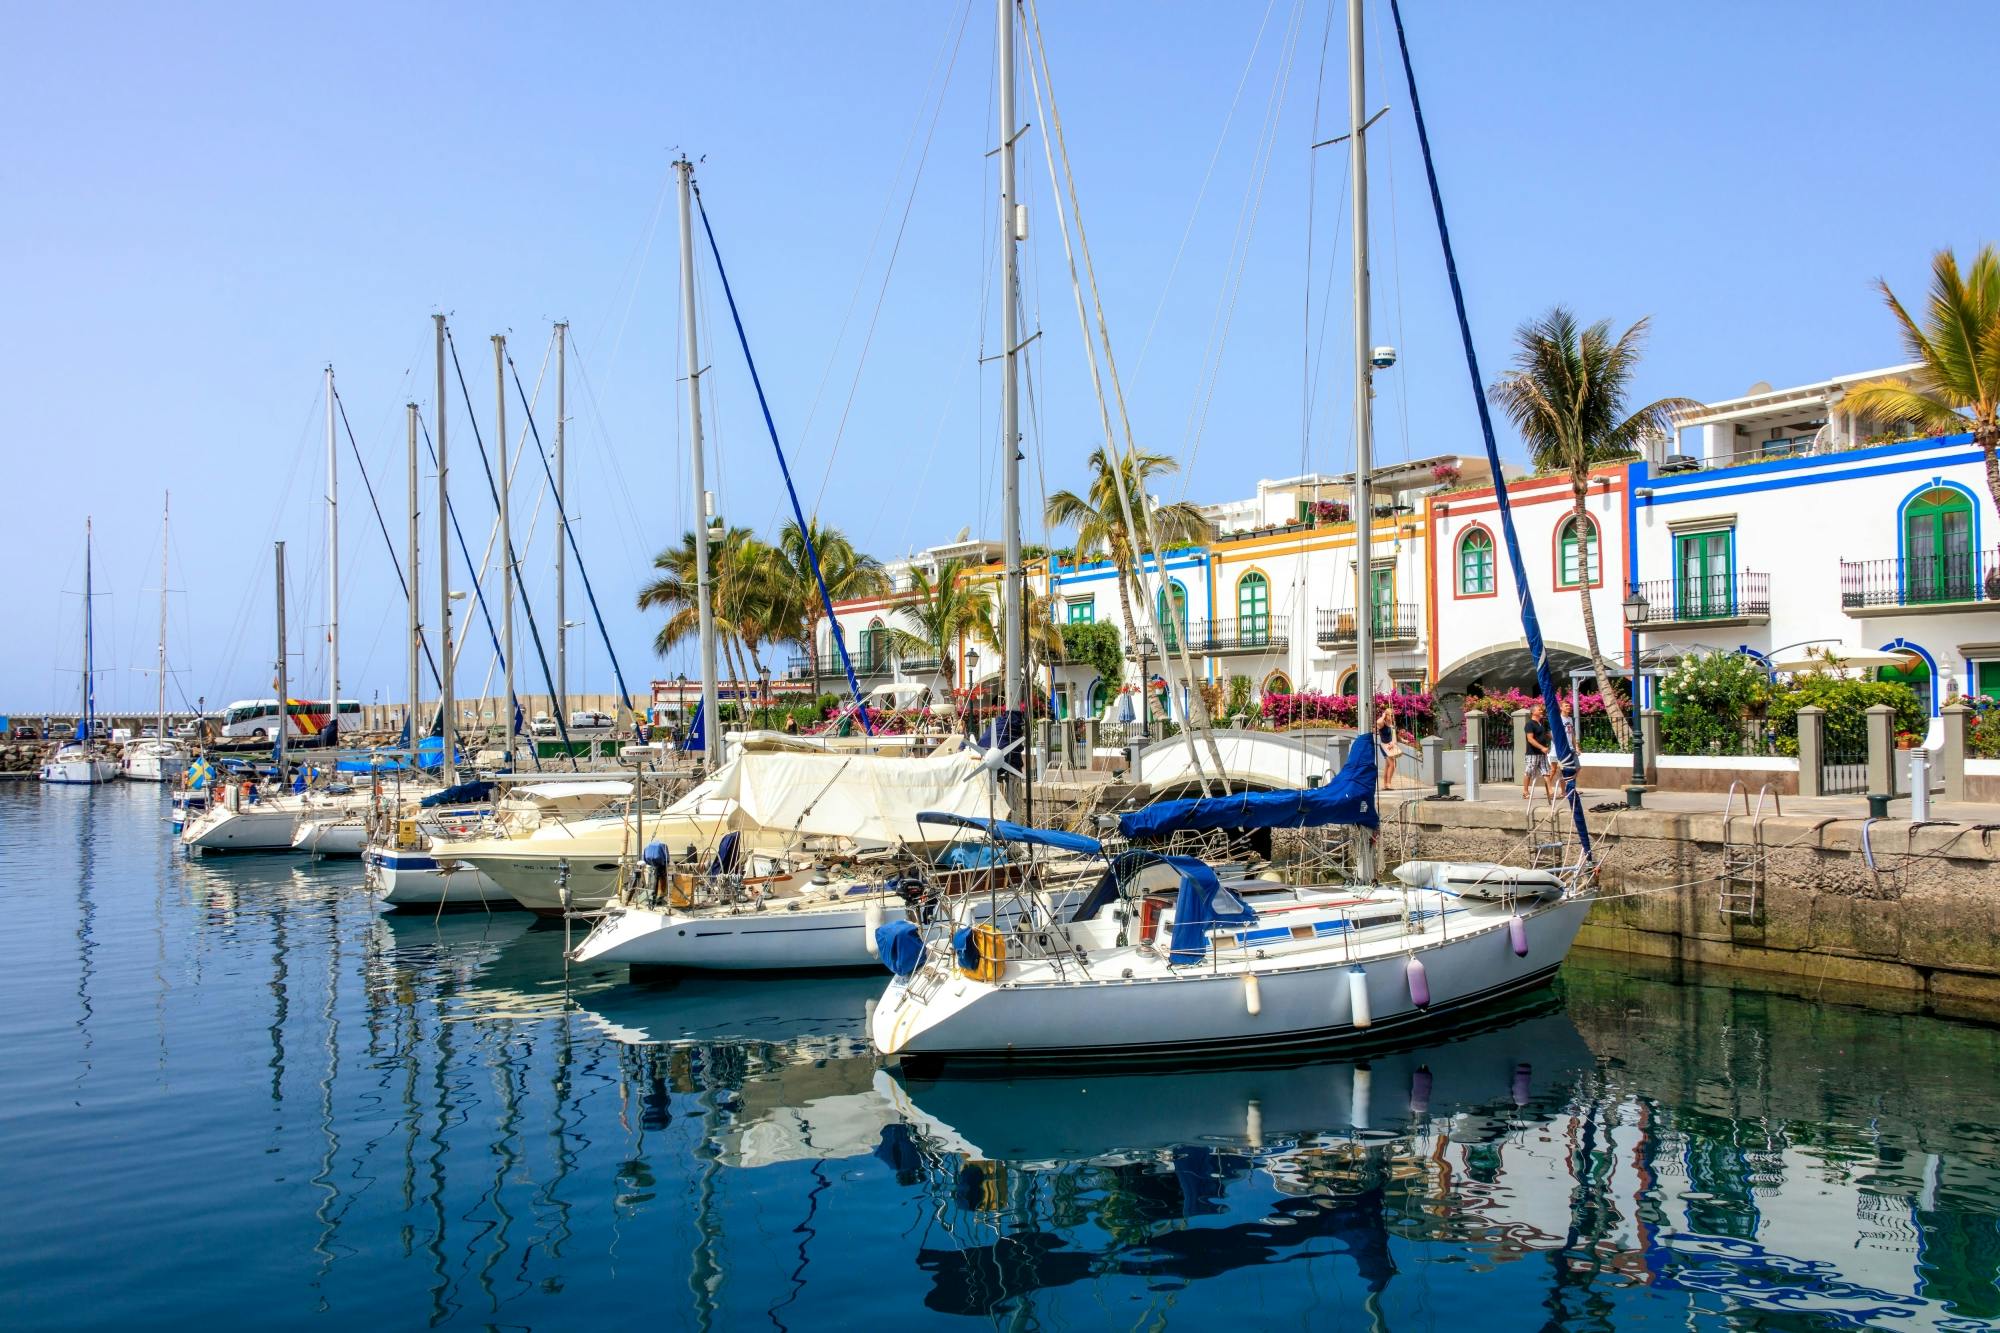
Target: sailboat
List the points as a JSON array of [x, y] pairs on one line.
[[159, 757], [1165, 959], [82, 761]]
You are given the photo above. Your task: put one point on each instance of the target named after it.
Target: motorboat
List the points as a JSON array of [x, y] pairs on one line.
[[778, 800], [1141, 971], [415, 864]]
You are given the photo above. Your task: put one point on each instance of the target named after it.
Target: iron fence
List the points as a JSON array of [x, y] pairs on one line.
[[1724, 596], [1843, 772], [1389, 622]]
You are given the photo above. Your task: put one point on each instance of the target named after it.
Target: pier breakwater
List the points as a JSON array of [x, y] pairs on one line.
[[1891, 904]]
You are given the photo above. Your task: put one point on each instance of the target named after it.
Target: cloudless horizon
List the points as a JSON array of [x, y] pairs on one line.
[[211, 203]]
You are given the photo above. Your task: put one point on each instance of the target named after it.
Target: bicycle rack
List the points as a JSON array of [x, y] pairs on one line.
[[1741, 886]]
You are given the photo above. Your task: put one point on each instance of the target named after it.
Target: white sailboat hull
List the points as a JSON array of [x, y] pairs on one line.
[[267, 827], [150, 761], [416, 879], [772, 940], [79, 769], [331, 836], [1198, 1011]]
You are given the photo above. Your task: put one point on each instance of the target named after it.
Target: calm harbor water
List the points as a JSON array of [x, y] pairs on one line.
[[235, 1093]]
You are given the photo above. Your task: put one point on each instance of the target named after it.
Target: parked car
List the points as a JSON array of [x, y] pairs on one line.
[[584, 719]]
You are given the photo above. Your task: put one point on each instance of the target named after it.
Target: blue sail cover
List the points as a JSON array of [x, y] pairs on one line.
[[1202, 904], [697, 737], [465, 793], [1006, 831], [1348, 799]]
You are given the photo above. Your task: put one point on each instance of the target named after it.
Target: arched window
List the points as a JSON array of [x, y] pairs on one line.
[[1475, 563], [1277, 683], [1347, 679], [1253, 610], [1096, 701], [874, 647], [1937, 546], [1576, 553], [1173, 625]]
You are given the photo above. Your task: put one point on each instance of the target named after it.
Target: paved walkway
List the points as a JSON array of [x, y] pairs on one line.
[[1714, 803]]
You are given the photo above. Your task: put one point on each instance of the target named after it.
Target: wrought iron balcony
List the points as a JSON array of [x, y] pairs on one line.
[[1245, 634], [1918, 584], [1741, 598], [1390, 622], [805, 665]]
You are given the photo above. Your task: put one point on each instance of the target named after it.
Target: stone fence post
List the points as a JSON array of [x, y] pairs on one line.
[[1475, 731], [1812, 750], [1649, 732], [1881, 750], [1520, 744], [1951, 762]]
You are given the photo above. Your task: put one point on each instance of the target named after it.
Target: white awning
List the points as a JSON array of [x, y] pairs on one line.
[[1860, 661]]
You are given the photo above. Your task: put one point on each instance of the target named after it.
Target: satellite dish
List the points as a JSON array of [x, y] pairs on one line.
[[964, 533], [1761, 386]]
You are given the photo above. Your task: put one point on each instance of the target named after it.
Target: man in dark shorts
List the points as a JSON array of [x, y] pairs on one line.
[[1540, 756]]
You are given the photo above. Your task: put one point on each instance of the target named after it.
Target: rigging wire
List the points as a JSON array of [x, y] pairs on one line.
[[950, 64]]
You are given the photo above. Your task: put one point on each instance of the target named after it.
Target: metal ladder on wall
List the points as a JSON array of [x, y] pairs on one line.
[[1741, 895]]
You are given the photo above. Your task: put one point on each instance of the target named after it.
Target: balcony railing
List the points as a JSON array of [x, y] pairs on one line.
[[829, 664], [1246, 634], [1921, 581], [1390, 622], [1692, 599]]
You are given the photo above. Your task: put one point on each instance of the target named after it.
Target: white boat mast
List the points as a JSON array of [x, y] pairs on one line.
[[284, 722], [160, 709], [447, 660], [1364, 504], [562, 533], [89, 681], [1012, 220], [506, 535], [714, 750], [411, 559], [332, 568]]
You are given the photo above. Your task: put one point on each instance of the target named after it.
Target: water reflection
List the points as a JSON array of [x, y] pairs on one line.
[[437, 1119]]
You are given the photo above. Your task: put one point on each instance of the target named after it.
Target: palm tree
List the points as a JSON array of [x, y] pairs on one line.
[[848, 573], [1099, 521], [1958, 351], [942, 610], [1566, 396], [743, 595]]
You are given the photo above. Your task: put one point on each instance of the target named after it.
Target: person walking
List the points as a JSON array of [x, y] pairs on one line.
[[1388, 748], [1539, 753]]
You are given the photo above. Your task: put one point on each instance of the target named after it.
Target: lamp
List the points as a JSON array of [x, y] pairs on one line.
[[1637, 608], [764, 692]]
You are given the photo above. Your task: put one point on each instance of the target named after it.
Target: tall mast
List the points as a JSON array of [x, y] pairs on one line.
[[284, 692], [160, 710], [562, 523], [1010, 407], [713, 747], [447, 663], [506, 535], [89, 679], [332, 569], [416, 580], [1364, 462]]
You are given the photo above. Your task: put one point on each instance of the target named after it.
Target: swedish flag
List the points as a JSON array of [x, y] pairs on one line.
[[199, 775]]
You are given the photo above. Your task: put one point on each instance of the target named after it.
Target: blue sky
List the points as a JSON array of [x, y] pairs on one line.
[[208, 203]]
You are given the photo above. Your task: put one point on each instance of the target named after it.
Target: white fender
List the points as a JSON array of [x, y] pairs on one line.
[[1357, 998]]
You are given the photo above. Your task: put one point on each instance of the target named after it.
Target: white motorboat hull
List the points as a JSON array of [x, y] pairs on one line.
[[415, 879], [86, 770], [1303, 1001]]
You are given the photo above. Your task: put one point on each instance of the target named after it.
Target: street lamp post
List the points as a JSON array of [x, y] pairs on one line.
[[1145, 691], [972, 687], [764, 694], [1637, 609]]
